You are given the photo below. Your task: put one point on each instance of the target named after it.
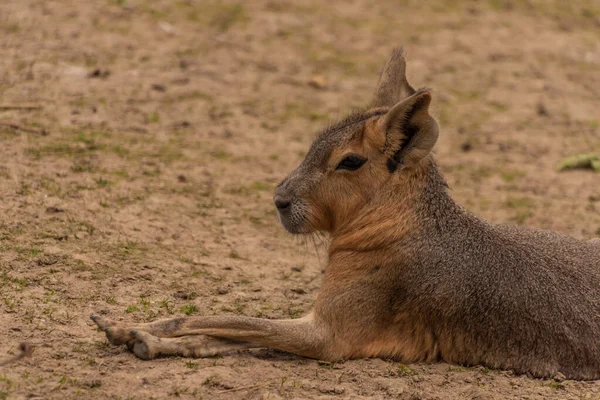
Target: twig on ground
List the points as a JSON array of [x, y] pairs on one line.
[[17, 127], [243, 388], [20, 107]]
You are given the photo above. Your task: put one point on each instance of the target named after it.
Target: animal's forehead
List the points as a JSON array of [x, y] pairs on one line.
[[338, 134]]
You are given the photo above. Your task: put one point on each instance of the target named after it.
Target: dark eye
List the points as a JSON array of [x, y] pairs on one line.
[[351, 163]]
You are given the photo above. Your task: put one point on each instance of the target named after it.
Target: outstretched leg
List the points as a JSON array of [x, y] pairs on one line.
[[147, 346], [302, 336]]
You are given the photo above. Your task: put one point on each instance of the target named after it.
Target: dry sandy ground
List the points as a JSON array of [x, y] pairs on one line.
[[142, 186]]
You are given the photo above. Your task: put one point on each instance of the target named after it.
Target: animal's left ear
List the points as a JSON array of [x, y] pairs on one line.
[[410, 132]]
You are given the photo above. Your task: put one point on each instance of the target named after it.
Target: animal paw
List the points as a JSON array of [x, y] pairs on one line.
[[115, 334], [145, 345]]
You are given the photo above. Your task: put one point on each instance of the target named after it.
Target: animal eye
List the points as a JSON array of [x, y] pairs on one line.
[[352, 163]]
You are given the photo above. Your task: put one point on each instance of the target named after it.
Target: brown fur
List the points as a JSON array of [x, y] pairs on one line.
[[411, 275]]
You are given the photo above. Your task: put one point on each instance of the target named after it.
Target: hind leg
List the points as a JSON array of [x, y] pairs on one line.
[[147, 346]]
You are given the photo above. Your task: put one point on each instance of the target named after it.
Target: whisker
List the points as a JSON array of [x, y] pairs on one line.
[[316, 248]]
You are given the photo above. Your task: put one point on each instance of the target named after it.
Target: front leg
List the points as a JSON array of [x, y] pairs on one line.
[[302, 336], [147, 346]]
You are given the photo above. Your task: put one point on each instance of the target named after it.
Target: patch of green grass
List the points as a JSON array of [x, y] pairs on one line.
[[131, 308], [589, 160], [145, 303], [239, 307], [301, 110], [523, 207], [59, 149], [229, 16], [498, 106], [404, 370], [469, 95], [152, 172], [6, 381], [119, 150], [10, 303], [262, 186], [556, 385], [166, 304], [510, 176], [188, 309], [238, 190], [19, 282], [24, 189], [153, 117], [13, 28], [295, 312], [30, 252], [498, 5], [522, 202], [206, 274], [192, 365], [155, 14], [169, 153], [102, 183], [521, 217], [220, 154], [130, 247], [111, 300]]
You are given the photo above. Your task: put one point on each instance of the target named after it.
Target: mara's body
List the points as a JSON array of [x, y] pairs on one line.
[[450, 286], [411, 275]]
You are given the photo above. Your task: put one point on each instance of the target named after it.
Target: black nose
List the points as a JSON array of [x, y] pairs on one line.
[[282, 203]]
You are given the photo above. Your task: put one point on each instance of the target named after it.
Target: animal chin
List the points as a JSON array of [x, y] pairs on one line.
[[293, 221], [289, 225]]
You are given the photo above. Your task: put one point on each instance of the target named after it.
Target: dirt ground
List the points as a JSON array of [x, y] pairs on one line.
[[138, 184]]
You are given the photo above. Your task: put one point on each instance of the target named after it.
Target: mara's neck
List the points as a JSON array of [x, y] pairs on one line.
[[411, 204]]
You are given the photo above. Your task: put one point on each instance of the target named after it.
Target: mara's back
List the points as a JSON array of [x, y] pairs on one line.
[[513, 297]]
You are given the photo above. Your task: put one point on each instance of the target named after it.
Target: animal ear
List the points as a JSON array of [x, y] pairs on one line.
[[410, 132], [393, 86]]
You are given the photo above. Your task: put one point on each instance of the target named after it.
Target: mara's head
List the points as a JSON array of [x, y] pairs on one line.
[[351, 162]]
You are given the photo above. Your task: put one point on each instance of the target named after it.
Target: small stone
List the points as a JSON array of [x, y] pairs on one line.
[[330, 389], [559, 377], [167, 27], [99, 73], [223, 290], [158, 87], [183, 124], [81, 235], [318, 82]]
